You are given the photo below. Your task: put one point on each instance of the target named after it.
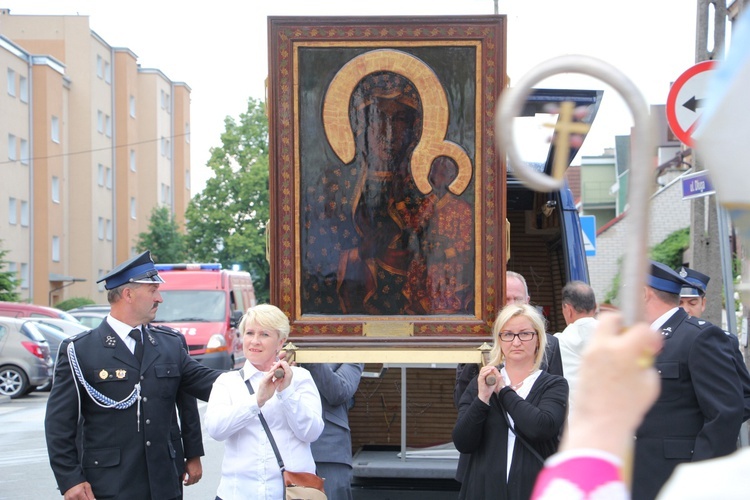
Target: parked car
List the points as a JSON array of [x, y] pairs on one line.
[[25, 361], [92, 315], [54, 332], [25, 310]]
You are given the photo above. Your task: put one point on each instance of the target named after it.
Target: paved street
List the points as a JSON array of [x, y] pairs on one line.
[[24, 467]]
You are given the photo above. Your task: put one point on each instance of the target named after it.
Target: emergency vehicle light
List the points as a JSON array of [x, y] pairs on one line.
[[188, 267]]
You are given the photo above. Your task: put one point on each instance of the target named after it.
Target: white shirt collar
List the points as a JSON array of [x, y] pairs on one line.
[[121, 329], [659, 322]]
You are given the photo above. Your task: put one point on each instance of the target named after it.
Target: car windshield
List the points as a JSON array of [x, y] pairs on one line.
[[191, 305], [30, 330], [68, 317]]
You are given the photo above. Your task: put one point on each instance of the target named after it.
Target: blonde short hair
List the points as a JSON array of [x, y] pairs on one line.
[[269, 317], [512, 311]]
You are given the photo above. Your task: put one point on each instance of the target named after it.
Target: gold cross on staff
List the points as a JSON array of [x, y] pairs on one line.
[[564, 127]]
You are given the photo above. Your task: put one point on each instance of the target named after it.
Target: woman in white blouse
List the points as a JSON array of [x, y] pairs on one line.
[[290, 405]]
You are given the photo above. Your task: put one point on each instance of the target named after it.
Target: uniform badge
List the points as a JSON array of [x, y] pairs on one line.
[[110, 341], [683, 272], [701, 322], [120, 373], [151, 339], [104, 374]]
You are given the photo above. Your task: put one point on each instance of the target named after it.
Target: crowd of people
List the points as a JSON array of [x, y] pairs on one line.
[[548, 416]]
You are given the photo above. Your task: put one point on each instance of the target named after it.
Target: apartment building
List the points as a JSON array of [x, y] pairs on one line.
[[96, 143]]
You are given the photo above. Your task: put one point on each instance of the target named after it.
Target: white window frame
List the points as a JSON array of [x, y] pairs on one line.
[[169, 149], [108, 177], [132, 208], [107, 72], [100, 174], [132, 160], [24, 213], [132, 106], [100, 228], [12, 149], [109, 229], [12, 211], [187, 179], [108, 125], [187, 132], [23, 89], [24, 275], [55, 129], [24, 152], [100, 121], [55, 189], [99, 67], [55, 249], [11, 83]]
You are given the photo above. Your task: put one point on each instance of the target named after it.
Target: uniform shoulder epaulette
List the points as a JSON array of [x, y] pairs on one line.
[[164, 329], [700, 323], [79, 336]]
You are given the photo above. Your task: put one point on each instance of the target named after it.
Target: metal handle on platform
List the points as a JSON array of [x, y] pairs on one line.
[[640, 182]]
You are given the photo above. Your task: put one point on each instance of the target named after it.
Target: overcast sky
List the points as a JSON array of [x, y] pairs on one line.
[[219, 48]]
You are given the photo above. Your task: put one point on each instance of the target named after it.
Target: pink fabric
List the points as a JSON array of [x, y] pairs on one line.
[[580, 478]]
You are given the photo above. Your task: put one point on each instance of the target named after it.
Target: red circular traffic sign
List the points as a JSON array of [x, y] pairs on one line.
[[686, 98]]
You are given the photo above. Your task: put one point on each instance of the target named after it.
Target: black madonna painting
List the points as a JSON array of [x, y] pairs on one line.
[[383, 178]]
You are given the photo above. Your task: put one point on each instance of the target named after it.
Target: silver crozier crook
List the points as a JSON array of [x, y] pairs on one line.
[[640, 186]]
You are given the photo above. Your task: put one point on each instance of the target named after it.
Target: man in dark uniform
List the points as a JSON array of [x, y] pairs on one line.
[[699, 410], [114, 394], [693, 300]]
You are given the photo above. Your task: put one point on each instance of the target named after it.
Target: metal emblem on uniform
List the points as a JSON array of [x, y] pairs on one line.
[[701, 322], [683, 272], [110, 341], [120, 373], [104, 374], [666, 331], [151, 339]]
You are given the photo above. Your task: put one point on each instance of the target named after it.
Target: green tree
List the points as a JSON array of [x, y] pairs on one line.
[[8, 281], [226, 222], [164, 239]]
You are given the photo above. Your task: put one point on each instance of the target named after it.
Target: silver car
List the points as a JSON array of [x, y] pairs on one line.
[[25, 361]]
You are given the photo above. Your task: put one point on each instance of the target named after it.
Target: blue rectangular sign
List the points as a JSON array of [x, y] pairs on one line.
[[588, 227], [696, 185]]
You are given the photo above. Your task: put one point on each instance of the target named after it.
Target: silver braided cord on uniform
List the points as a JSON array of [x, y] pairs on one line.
[[99, 398]]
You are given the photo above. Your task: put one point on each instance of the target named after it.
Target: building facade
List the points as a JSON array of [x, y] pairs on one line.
[[94, 144]]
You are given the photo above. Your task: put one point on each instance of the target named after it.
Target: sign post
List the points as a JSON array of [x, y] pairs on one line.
[[588, 227]]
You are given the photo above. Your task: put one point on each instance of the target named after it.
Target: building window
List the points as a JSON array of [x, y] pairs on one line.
[[132, 208], [107, 72], [109, 230], [24, 275], [132, 160], [12, 212], [187, 179], [163, 193], [55, 189], [99, 275], [24, 213], [55, 249], [132, 106], [12, 268], [169, 149], [108, 172], [99, 66], [55, 129], [23, 88], [163, 99], [12, 153], [163, 146], [24, 151], [100, 122], [101, 228], [108, 125], [187, 133], [11, 82], [100, 171]]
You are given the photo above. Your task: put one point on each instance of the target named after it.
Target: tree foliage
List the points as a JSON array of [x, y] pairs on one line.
[[73, 302], [226, 222], [163, 239], [8, 281]]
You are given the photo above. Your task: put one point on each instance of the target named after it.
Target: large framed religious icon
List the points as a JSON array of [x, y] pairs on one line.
[[387, 202]]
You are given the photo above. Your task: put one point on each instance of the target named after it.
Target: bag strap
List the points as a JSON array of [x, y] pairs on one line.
[[265, 426]]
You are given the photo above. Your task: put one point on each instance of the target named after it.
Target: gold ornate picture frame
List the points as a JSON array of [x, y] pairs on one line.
[[387, 196]]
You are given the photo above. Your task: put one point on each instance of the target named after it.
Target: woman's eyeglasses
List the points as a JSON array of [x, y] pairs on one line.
[[522, 336]]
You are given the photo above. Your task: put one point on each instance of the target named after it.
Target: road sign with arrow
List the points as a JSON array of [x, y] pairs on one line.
[[686, 98]]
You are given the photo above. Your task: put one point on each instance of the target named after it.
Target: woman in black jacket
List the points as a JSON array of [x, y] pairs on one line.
[[510, 417]]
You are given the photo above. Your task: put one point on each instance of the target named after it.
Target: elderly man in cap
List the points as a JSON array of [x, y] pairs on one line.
[[699, 410], [113, 397], [693, 300]]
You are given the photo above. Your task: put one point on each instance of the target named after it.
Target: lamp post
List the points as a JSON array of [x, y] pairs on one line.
[[70, 282]]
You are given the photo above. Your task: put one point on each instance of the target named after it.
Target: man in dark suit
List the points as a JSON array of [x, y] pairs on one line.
[[332, 451], [121, 381], [699, 410], [693, 300]]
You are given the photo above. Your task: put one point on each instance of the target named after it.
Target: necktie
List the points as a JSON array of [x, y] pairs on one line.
[[136, 334]]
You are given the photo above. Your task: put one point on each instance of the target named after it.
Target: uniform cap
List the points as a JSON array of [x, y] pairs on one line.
[[698, 282], [139, 269], [662, 277]]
